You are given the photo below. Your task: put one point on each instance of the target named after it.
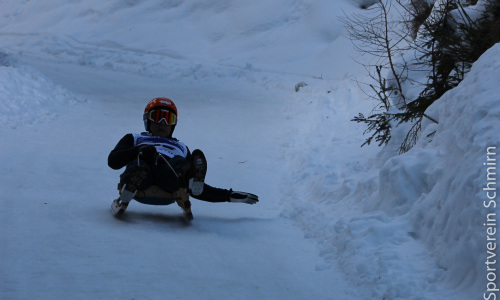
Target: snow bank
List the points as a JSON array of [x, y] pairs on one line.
[[330, 180], [449, 215], [383, 225], [439, 184], [283, 35], [27, 96]]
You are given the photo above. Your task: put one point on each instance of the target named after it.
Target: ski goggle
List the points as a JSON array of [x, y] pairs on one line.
[[162, 115]]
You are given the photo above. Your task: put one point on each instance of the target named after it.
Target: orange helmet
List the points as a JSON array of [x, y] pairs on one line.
[[163, 104]]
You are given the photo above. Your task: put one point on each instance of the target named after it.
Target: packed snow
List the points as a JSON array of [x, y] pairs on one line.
[[267, 90]]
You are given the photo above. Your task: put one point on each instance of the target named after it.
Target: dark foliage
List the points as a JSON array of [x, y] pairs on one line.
[[449, 43]]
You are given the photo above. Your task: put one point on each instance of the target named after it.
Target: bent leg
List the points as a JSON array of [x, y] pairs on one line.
[[137, 175]]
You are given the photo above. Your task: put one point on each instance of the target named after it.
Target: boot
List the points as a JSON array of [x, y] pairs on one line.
[[197, 182]]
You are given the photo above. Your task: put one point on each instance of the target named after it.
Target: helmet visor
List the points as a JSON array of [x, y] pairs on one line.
[[162, 115]]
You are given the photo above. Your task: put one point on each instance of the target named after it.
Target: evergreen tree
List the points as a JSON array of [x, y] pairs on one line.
[[446, 44]]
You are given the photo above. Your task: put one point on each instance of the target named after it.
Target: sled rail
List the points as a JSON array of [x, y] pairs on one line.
[[154, 195]]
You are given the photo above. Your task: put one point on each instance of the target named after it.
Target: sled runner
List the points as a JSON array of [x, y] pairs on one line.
[[153, 195]]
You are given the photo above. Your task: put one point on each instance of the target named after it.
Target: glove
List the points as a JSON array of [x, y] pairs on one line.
[[242, 197], [148, 153]]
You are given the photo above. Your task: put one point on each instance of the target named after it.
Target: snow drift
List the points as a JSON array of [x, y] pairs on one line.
[[432, 196], [28, 97]]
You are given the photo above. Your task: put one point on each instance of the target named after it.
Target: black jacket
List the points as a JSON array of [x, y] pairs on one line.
[[125, 151]]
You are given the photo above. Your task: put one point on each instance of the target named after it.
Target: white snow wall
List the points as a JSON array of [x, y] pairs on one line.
[[440, 183]]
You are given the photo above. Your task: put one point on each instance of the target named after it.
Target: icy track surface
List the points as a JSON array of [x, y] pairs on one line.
[[60, 241]]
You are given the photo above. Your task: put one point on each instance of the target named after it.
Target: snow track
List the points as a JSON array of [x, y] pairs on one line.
[[60, 240]]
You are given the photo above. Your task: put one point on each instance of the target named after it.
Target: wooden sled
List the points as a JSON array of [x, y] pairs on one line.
[[154, 195]]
